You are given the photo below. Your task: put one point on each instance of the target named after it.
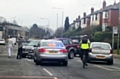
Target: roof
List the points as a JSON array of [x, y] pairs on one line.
[[99, 43], [110, 7], [61, 38]]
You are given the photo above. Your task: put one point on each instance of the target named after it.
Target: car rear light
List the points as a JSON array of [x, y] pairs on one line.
[[42, 50], [90, 50], [78, 46], [111, 51], [63, 50]]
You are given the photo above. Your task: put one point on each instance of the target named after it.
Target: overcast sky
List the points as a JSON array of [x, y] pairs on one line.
[[28, 12]]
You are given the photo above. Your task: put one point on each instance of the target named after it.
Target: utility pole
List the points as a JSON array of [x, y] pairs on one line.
[[118, 30], [57, 21]]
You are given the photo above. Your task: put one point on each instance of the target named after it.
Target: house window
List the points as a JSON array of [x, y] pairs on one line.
[[105, 14], [96, 17], [92, 18], [84, 20]]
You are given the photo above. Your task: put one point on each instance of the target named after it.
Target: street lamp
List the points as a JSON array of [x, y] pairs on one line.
[[47, 20], [118, 30], [62, 13], [48, 25], [57, 20]]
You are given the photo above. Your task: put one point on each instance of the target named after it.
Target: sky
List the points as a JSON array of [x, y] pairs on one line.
[[47, 13]]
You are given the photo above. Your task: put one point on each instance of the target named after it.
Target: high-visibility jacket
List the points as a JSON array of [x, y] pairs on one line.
[[85, 45]]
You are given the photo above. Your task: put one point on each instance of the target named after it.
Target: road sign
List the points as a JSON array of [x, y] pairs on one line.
[[115, 30]]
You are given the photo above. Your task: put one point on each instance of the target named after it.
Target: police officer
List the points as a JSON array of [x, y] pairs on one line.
[[84, 46]]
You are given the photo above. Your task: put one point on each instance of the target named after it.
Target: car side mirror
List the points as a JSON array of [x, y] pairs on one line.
[[34, 46]]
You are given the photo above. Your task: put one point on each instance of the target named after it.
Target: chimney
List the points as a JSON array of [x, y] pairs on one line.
[[104, 4], [79, 17], [114, 2], [84, 14], [92, 10]]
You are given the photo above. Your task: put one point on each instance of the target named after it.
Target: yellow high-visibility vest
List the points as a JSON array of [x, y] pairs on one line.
[[84, 45]]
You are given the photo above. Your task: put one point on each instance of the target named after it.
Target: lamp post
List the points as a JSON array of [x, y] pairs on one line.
[[57, 20], [47, 25], [62, 13], [118, 30], [47, 20]]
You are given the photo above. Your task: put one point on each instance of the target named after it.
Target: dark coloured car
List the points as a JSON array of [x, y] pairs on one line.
[[72, 48], [28, 48]]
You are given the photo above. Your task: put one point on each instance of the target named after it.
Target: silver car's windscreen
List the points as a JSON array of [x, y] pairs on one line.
[[32, 43], [101, 46], [52, 44]]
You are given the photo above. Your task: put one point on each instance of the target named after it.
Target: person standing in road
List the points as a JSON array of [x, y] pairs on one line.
[[19, 54], [85, 46], [10, 47]]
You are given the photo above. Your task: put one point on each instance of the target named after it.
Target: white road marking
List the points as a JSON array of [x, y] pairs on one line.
[[103, 68], [48, 72], [55, 78], [116, 67], [28, 60]]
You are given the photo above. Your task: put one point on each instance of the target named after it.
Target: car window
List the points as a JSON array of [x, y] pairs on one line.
[[32, 43], [71, 42], [101, 46], [65, 42], [52, 44]]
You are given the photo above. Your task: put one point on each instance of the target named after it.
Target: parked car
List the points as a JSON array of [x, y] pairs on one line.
[[2, 41], [51, 50], [72, 48], [28, 48], [101, 51]]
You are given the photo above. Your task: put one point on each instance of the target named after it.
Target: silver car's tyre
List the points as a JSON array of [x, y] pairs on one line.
[[65, 63]]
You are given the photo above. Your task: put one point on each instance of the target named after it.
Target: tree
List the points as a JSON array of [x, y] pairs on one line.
[[59, 32], [66, 26], [34, 31]]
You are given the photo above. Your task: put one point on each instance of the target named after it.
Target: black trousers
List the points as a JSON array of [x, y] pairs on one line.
[[84, 51], [19, 54]]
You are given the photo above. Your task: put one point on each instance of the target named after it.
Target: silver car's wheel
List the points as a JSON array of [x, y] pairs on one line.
[[65, 63], [37, 62], [34, 59]]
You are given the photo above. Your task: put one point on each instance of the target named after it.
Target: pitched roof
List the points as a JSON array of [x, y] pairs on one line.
[[116, 6]]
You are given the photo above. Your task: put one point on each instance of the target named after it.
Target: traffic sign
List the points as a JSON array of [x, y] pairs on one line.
[[115, 30]]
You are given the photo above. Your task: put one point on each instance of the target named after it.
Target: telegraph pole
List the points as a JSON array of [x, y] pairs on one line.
[[118, 30]]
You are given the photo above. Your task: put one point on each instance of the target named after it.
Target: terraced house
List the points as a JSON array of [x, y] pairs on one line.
[[106, 16]]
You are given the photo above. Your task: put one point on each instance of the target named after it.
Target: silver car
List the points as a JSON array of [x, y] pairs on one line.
[[51, 50], [101, 51]]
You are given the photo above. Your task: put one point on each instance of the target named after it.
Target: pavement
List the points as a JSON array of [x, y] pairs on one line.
[[116, 56]]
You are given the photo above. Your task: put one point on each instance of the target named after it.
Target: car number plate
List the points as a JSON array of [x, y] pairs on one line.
[[53, 52], [25, 52], [102, 57]]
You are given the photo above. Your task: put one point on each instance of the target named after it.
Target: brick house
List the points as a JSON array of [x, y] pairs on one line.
[[106, 16]]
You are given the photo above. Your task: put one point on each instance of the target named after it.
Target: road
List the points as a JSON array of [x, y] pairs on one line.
[[12, 68]]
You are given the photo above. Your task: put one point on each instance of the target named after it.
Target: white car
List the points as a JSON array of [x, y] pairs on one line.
[[101, 51], [2, 41]]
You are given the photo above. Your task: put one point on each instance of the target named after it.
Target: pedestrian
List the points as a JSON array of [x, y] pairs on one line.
[[10, 47], [19, 54]]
